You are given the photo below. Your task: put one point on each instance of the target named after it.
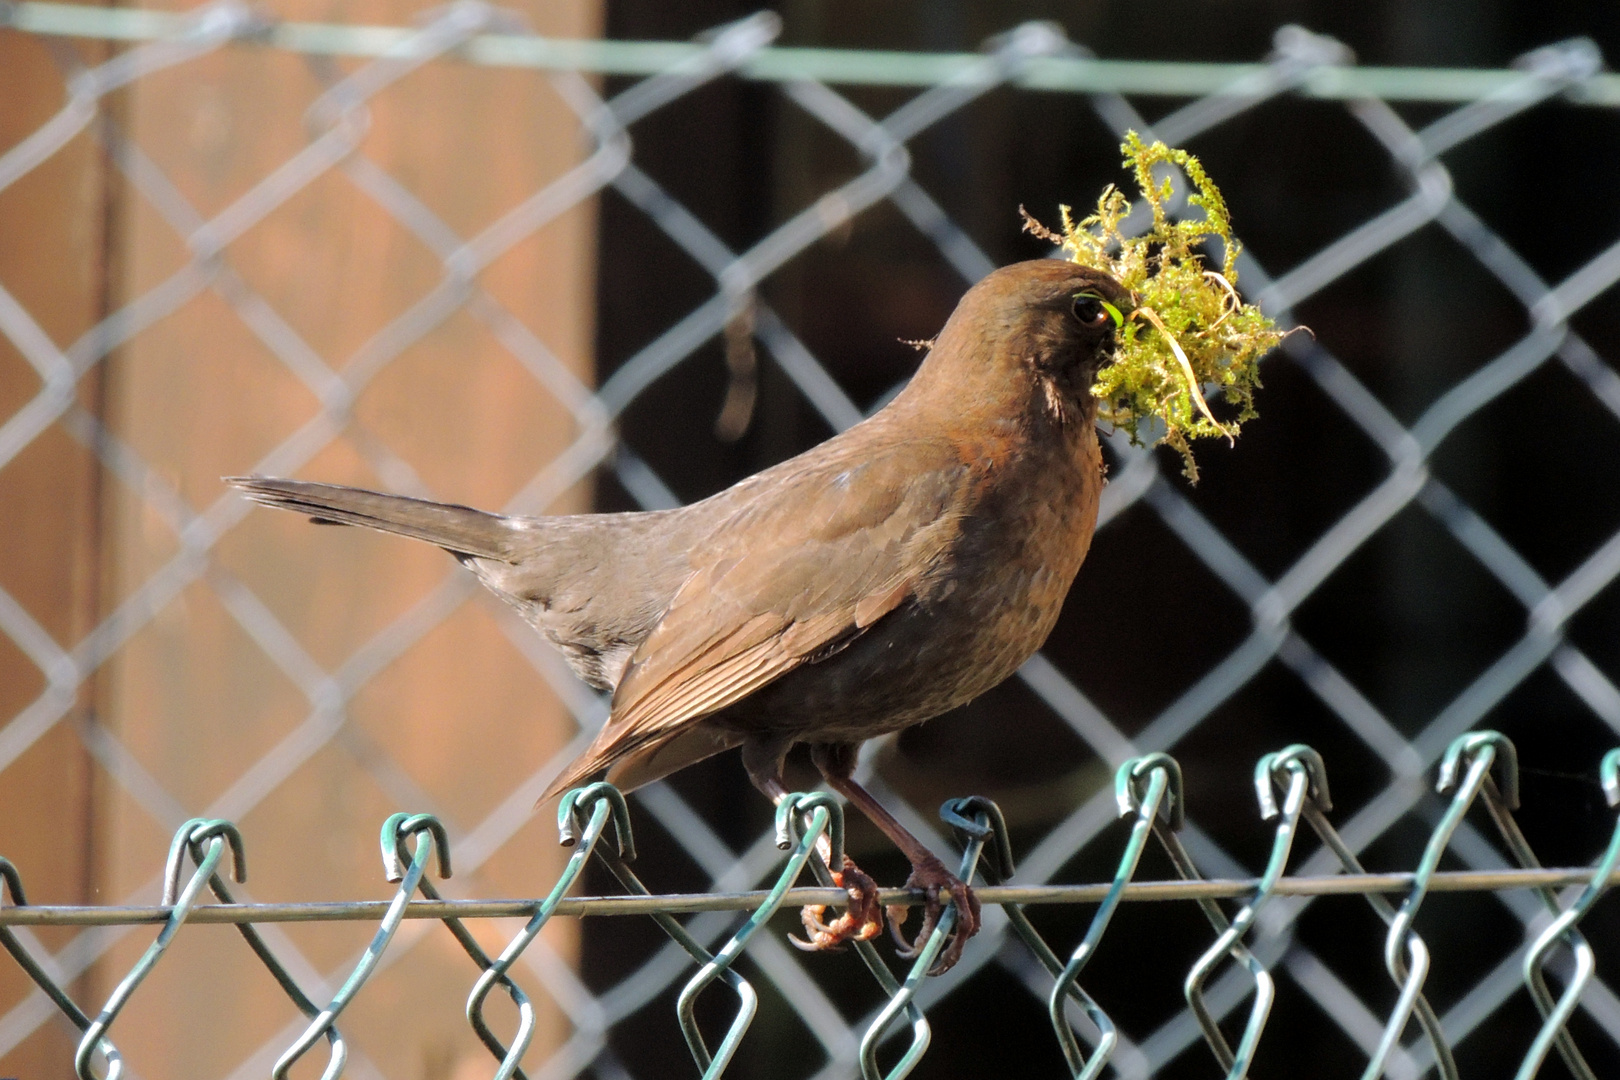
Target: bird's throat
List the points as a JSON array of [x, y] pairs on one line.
[[1065, 402]]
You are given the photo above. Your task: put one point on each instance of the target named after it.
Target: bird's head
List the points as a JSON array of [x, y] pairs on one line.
[[1027, 339]]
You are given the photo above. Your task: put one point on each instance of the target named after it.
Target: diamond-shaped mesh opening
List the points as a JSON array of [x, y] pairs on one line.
[[1130, 642], [1482, 470], [1409, 655]]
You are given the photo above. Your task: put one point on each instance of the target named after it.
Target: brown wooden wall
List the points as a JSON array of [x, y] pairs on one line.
[[456, 722]]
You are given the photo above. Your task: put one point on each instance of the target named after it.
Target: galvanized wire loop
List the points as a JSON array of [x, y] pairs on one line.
[[195, 833], [1556, 1013], [1500, 802], [1466, 749], [975, 817], [430, 837], [817, 813], [617, 863], [1295, 766], [979, 829], [978, 818], [11, 882], [1161, 775], [190, 838], [218, 836], [11, 879], [605, 799], [602, 808], [1275, 772], [1417, 966], [1164, 829], [1463, 772], [795, 818], [1129, 790], [587, 799], [400, 828], [604, 803]]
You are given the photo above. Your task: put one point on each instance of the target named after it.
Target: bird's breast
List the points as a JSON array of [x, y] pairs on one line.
[[984, 607], [1019, 553]]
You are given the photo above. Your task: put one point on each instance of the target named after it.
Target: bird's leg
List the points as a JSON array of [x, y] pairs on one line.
[[862, 919], [837, 763]]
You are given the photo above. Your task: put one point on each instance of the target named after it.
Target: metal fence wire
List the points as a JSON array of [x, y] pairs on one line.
[[1252, 955]]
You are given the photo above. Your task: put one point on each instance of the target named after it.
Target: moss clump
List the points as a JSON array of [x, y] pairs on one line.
[[1189, 327]]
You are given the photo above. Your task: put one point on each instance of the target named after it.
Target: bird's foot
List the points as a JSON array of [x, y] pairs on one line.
[[861, 920], [936, 882]]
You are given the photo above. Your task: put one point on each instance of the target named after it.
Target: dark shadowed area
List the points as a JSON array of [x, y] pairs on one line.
[[1410, 618]]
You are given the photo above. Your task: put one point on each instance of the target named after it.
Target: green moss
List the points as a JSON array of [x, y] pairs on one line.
[[1189, 328]]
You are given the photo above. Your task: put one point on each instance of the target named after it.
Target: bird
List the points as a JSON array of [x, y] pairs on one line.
[[885, 576]]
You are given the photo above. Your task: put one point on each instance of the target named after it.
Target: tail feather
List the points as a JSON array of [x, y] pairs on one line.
[[458, 529], [631, 766]]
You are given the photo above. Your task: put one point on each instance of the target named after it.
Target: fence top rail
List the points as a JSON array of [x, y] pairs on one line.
[[682, 903], [869, 67]]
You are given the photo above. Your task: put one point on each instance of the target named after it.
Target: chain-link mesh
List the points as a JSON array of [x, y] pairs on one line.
[[830, 1037]]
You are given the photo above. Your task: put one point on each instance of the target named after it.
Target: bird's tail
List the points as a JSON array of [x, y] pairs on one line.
[[460, 530]]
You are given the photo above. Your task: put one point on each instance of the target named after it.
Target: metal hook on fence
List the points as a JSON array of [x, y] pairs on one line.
[[190, 837], [1464, 771], [1315, 813], [198, 830], [1301, 780], [399, 861], [801, 820], [12, 880], [1556, 1014], [1169, 812], [600, 793], [1129, 796], [1467, 750], [218, 835], [399, 866], [1165, 830], [1162, 795], [618, 863], [976, 819], [1275, 772], [1500, 801], [795, 813], [997, 867], [603, 801]]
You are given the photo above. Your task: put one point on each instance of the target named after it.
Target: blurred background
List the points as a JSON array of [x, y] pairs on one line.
[[452, 275]]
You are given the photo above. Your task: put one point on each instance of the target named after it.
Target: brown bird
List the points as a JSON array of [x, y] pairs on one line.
[[896, 571]]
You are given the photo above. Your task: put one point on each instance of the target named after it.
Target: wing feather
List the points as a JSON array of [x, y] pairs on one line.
[[785, 580]]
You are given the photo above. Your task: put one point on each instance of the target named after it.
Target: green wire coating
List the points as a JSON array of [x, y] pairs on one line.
[[1066, 984], [430, 836], [1237, 1062], [1556, 1014], [219, 836], [1148, 787]]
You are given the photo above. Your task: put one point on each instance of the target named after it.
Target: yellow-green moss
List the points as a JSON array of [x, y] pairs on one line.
[[1189, 327]]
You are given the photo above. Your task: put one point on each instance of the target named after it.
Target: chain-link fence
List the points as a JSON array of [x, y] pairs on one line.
[[822, 1016]]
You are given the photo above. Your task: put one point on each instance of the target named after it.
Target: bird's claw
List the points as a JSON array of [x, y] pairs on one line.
[[861, 920], [934, 880]]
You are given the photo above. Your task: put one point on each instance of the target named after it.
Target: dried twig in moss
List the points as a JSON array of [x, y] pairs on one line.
[[1189, 327]]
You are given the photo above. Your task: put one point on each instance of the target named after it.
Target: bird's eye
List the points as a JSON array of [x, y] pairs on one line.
[[1093, 311]]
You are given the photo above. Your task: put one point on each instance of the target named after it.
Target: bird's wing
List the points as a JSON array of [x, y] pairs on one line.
[[788, 579]]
